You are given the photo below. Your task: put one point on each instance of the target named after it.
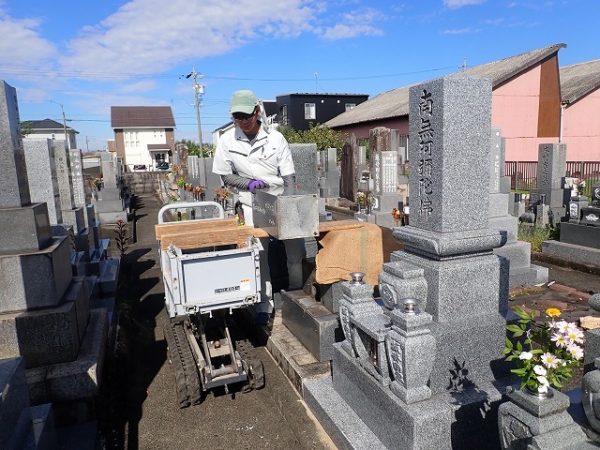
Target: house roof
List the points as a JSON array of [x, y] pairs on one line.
[[394, 103], [47, 125], [141, 117], [579, 80]]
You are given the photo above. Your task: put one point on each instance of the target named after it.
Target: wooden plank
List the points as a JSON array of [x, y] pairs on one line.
[[330, 225], [190, 226], [211, 237]]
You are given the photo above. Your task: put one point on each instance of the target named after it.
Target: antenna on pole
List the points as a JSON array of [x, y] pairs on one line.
[[198, 93], [316, 82]]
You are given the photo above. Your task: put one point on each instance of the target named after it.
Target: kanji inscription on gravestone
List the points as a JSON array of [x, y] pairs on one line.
[[425, 162]]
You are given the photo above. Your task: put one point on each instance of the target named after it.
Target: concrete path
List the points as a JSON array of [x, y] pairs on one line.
[[140, 406]]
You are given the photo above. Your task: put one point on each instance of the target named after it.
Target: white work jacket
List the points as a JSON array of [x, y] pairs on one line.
[[267, 158]]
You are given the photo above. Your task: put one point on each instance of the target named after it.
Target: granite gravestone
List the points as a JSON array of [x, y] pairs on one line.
[[517, 253], [349, 169], [72, 215], [305, 165], [41, 171], [458, 285], [550, 197]]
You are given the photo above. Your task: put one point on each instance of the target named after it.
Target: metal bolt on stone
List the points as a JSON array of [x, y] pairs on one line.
[[357, 277], [410, 306]]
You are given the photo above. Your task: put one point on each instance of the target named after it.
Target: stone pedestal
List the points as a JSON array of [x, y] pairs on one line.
[[528, 421]]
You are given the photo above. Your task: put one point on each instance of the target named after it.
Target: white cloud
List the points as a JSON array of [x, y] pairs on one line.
[[355, 23], [467, 30], [147, 36], [22, 47], [455, 4], [138, 86]]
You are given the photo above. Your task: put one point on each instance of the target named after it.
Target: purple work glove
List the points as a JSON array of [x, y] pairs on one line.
[[253, 185]]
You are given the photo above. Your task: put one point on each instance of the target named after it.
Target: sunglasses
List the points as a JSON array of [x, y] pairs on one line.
[[242, 116]]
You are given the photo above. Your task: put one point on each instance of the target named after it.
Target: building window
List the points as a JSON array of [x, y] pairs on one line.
[[350, 106], [310, 111]]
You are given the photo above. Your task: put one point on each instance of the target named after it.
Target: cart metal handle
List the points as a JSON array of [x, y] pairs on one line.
[[181, 205]]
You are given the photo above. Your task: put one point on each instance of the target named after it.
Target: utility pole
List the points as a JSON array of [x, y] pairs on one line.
[[198, 92], [67, 143]]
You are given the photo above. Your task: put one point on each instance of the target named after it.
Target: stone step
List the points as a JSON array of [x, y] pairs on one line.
[[314, 326], [342, 424], [293, 358]]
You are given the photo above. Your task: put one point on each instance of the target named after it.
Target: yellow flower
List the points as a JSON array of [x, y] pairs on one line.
[[553, 312]]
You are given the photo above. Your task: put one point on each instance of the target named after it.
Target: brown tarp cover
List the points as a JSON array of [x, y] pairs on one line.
[[352, 250]]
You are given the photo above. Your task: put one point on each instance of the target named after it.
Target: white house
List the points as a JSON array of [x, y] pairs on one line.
[[49, 129], [144, 135]]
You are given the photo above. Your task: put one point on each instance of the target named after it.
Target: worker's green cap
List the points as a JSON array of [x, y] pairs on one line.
[[243, 101]]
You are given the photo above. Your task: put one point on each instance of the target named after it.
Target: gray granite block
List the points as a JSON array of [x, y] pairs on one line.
[[505, 224], [63, 175], [341, 423], [330, 296], [462, 287], [592, 348], [79, 294], [584, 235], [498, 205], [41, 174], [103, 206], [571, 252], [111, 217], [109, 276], [517, 252], [37, 279], [528, 276], [305, 163], [79, 263], [384, 218], [555, 198], [423, 425], [447, 117], [14, 396], [474, 342], [75, 380], [41, 337], [109, 194], [311, 323], [401, 280], [74, 217], [24, 228], [84, 241], [551, 166], [14, 187]]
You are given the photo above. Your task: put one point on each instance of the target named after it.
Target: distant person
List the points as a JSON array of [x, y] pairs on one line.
[[251, 156]]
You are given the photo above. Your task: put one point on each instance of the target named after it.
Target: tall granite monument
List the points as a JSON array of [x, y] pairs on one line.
[[423, 371]]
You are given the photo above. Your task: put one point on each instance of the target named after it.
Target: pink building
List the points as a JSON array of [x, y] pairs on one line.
[[525, 103], [580, 88]]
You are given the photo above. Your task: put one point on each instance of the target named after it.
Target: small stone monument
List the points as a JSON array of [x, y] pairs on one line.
[[517, 253], [549, 198]]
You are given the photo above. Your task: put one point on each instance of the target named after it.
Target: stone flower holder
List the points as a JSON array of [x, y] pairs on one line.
[[410, 352], [528, 421]]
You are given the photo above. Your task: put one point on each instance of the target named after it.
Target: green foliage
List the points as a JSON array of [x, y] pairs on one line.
[[26, 129], [207, 151], [537, 235], [321, 135], [544, 353]]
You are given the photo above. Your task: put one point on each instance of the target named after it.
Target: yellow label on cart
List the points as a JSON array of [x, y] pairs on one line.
[[245, 284]]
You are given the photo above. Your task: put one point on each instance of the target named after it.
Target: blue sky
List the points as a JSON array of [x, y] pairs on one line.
[[89, 55]]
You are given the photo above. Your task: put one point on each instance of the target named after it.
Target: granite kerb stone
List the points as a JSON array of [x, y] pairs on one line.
[[35, 279], [24, 228], [423, 425], [74, 380]]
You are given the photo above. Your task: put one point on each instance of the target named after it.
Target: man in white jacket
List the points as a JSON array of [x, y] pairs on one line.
[[249, 157]]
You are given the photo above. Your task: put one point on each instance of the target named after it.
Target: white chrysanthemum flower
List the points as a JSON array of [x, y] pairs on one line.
[[575, 336], [562, 326], [543, 380], [539, 370], [575, 350], [526, 355], [542, 388], [550, 360], [559, 339]]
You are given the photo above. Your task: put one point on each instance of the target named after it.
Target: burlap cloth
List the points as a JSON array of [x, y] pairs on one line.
[[352, 250]]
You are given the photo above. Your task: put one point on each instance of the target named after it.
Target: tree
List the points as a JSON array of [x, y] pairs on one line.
[[26, 129], [321, 135], [208, 150]]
